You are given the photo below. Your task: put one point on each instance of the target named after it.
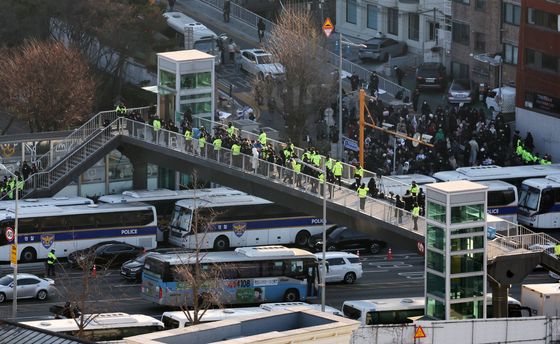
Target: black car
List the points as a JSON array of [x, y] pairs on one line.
[[73, 257], [132, 269], [106, 255], [346, 239], [431, 75]]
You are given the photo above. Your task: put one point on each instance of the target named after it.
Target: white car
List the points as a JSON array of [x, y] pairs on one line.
[[29, 286], [341, 266], [259, 62]]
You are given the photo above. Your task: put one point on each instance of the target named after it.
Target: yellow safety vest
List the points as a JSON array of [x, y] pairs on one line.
[[262, 138], [362, 191], [236, 149], [359, 172], [416, 211], [414, 190], [51, 258], [322, 178], [329, 164], [557, 250], [337, 169], [317, 159], [230, 131], [188, 135], [217, 144], [157, 125], [201, 141]]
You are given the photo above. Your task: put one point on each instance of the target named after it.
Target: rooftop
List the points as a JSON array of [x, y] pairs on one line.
[[11, 332], [186, 55], [457, 186]]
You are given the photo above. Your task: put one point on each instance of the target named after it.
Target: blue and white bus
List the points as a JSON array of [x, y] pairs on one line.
[[502, 199], [249, 275], [61, 201], [72, 228], [539, 202], [237, 221]]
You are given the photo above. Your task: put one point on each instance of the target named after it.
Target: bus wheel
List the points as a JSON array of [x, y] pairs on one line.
[[221, 243], [28, 255], [291, 295], [302, 238]]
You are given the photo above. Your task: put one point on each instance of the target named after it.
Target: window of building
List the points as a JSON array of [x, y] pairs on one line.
[[435, 308], [468, 213], [435, 261], [166, 79], [435, 237], [372, 13], [479, 42], [543, 19], [464, 287], [461, 33], [432, 31], [466, 2], [436, 212], [435, 285], [351, 11], [196, 80], [468, 262], [469, 243], [393, 21], [549, 63], [459, 70], [541, 61], [510, 53], [480, 4], [512, 14], [413, 26], [466, 310]]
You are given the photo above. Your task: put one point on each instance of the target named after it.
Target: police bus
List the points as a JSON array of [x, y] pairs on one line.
[[539, 202], [502, 200], [103, 327], [71, 228], [61, 201], [247, 275], [236, 221], [511, 174]]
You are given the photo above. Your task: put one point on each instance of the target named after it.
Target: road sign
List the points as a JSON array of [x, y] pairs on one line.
[[328, 27], [419, 333], [350, 144], [13, 255], [9, 234]]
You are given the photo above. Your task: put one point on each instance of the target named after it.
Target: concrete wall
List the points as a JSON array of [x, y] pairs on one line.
[[544, 129], [512, 330]]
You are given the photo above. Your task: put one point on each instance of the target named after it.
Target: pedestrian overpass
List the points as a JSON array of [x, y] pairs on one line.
[[511, 255]]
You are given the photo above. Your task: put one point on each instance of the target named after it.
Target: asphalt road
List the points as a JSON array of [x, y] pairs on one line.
[[109, 292]]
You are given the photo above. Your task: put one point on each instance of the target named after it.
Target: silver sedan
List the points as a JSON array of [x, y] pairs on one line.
[[28, 286]]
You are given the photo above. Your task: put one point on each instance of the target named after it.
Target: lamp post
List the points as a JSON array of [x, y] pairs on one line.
[[323, 284], [351, 44], [15, 265]]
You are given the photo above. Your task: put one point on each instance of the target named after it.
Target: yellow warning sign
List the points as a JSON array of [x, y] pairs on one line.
[[328, 27], [419, 333], [13, 254]]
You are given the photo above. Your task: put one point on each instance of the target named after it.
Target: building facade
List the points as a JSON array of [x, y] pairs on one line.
[[538, 74], [421, 24]]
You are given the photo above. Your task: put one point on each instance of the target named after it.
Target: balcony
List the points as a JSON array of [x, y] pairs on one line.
[[409, 5]]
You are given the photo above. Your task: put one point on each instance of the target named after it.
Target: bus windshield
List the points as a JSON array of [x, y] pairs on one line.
[[205, 45], [529, 197], [181, 219]]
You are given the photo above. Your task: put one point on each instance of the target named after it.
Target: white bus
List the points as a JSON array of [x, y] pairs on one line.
[[250, 275], [204, 39], [400, 311], [238, 221], [70, 228], [511, 174], [539, 203], [61, 201], [103, 327], [176, 319], [502, 199], [398, 184]]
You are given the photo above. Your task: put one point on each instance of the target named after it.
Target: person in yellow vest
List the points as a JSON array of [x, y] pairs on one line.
[[557, 250], [230, 130], [217, 143], [415, 215], [202, 144], [362, 194], [262, 138], [19, 185], [329, 162], [188, 139], [317, 159], [358, 174], [337, 172], [235, 153], [297, 171], [414, 190], [51, 260], [157, 127]]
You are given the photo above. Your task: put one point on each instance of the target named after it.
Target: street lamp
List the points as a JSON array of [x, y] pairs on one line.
[[351, 44], [323, 284], [14, 291]]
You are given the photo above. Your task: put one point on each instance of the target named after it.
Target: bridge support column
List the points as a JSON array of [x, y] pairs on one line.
[[499, 299], [139, 175]]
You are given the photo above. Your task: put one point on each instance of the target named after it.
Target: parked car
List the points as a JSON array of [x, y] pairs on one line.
[[381, 48], [346, 239], [259, 62], [28, 286], [341, 267], [110, 254], [132, 269], [431, 75], [461, 91]]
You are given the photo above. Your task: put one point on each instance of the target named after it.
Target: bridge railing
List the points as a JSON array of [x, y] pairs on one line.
[[270, 171]]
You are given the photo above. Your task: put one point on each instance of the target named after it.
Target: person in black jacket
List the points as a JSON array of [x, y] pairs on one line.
[[407, 199], [399, 204]]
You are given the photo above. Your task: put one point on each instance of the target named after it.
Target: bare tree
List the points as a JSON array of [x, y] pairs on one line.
[[296, 42], [46, 84], [204, 281]]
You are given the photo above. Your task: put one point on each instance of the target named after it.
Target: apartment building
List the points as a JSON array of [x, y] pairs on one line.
[[538, 74]]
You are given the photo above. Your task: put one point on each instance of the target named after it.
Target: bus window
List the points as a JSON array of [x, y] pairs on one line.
[[351, 312], [369, 319], [501, 198], [170, 323]]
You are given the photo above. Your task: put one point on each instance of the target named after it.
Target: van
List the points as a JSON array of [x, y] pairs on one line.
[[507, 104]]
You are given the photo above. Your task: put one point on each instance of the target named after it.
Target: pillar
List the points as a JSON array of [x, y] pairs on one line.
[[139, 175]]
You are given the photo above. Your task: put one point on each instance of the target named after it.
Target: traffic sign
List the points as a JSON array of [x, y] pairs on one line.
[[9, 234], [13, 254], [419, 333], [328, 27]]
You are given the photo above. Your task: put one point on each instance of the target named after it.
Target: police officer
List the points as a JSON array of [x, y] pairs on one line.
[[362, 193], [262, 138], [415, 215], [230, 130], [557, 250], [358, 174], [157, 127], [188, 138], [414, 190], [337, 171], [51, 260], [235, 152]]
